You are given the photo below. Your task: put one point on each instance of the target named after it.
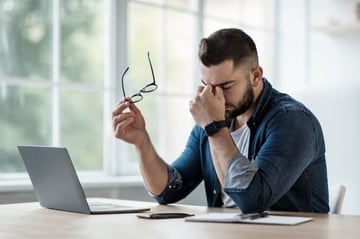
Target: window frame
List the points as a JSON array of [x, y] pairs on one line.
[[115, 55]]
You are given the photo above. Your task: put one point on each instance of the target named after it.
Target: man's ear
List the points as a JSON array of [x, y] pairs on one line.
[[257, 73]]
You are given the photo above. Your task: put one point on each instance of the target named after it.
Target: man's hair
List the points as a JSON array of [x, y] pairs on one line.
[[228, 44]]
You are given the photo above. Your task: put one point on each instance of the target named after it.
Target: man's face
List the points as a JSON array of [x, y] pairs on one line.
[[243, 104], [235, 83]]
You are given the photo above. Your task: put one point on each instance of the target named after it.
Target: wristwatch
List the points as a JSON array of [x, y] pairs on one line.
[[214, 127]]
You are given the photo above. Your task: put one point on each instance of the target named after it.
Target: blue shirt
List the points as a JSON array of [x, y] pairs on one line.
[[284, 170]]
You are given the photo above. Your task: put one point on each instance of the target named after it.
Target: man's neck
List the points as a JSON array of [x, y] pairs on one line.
[[242, 119]]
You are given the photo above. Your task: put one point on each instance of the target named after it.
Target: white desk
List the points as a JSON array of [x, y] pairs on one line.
[[30, 220]]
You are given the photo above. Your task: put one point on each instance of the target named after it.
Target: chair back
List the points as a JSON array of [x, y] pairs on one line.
[[336, 198]]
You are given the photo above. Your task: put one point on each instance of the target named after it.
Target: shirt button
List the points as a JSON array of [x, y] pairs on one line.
[[174, 186], [214, 192]]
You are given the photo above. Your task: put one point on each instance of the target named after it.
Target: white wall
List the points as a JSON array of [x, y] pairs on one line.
[[321, 67]]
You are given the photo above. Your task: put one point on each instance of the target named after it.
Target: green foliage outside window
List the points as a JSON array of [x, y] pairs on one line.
[[27, 90]]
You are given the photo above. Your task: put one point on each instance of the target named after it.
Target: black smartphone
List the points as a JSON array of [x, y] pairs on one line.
[[163, 215]]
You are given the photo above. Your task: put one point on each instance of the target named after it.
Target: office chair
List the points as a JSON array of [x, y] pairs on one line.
[[336, 198]]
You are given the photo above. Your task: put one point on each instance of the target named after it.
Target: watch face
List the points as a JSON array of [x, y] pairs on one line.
[[210, 129], [214, 127]]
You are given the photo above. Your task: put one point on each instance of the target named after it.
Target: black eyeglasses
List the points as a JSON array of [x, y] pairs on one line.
[[146, 89]]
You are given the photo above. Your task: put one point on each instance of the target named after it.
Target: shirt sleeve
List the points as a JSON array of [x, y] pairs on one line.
[[240, 172], [174, 181]]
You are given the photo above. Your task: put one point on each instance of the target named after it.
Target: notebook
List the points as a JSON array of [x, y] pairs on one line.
[[57, 185], [237, 218]]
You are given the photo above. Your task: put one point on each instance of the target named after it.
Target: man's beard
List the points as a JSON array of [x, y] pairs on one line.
[[243, 105]]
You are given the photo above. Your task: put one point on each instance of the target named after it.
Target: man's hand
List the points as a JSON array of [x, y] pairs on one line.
[[208, 105], [128, 125]]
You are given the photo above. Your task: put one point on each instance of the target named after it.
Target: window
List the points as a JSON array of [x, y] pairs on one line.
[[61, 63], [51, 88]]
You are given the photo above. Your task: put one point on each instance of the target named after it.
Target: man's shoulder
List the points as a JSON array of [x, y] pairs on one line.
[[280, 103], [272, 100]]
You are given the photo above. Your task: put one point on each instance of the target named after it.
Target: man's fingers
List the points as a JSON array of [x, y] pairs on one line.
[[120, 107], [219, 92], [117, 119], [120, 126]]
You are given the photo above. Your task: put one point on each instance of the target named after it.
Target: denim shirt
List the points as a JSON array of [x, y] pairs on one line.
[[285, 169]]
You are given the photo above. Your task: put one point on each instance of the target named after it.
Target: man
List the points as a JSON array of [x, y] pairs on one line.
[[254, 147]]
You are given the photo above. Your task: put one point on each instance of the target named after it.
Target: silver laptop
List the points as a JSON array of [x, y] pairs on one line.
[[57, 185]]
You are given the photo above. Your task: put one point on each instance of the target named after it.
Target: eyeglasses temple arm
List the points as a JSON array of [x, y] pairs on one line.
[[152, 70], [122, 81]]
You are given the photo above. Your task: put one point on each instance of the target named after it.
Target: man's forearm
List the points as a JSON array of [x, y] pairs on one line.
[[152, 167], [223, 150]]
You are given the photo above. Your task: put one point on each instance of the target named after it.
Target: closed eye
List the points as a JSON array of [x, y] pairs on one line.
[[224, 86]]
